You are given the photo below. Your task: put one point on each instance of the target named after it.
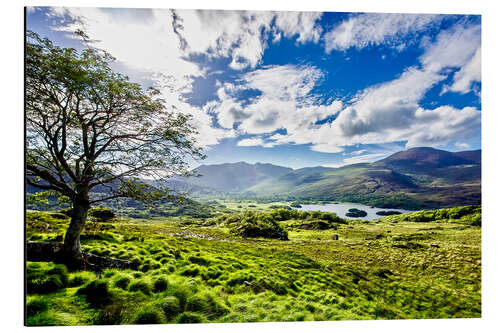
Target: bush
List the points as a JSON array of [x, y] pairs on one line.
[[160, 285], [191, 270], [140, 286], [78, 280], [182, 292], [189, 318], [110, 315], [170, 306], [199, 260], [252, 224], [122, 282], [148, 317], [61, 271], [354, 212], [387, 212], [101, 213], [36, 305], [96, 293], [196, 303], [45, 278]]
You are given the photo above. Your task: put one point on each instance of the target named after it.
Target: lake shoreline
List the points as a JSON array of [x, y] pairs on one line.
[[342, 208]]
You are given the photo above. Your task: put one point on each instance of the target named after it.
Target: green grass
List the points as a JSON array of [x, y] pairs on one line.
[[380, 269]]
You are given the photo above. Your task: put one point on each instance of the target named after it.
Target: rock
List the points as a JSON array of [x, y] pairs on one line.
[[335, 237], [51, 251]]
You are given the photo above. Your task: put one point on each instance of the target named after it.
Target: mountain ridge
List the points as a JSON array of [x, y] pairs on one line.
[[417, 177]]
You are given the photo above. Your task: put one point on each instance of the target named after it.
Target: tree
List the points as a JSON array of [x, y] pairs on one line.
[[88, 126]]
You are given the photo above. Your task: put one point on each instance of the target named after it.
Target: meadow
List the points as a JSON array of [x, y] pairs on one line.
[[424, 264]]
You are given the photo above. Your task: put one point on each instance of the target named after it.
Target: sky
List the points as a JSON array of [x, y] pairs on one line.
[[297, 89]]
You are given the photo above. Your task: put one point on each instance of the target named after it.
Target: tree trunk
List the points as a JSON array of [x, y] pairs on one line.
[[72, 251]]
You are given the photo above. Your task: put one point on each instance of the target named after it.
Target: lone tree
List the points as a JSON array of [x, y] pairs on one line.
[[87, 126]]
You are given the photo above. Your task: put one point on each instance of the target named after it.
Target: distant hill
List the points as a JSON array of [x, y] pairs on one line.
[[415, 178], [236, 177], [471, 155]]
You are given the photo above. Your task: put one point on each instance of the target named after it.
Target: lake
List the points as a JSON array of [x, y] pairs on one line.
[[342, 208]]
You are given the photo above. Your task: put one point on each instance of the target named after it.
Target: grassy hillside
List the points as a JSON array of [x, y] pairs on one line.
[[418, 265], [416, 178]]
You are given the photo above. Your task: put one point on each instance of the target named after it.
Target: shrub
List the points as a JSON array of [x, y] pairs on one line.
[[96, 293], [181, 292], [189, 318], [207, 303], [252, 224], [122, 282], [354, 212], [101, 213], [45, 318], [148, 317], [140, 286], [170, 306], [160, 285], [45, 278], [191, 270], [78, 280], [196, 303], [36, 305], [199, 260]]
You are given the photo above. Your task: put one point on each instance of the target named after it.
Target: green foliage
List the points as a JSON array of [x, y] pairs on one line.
[[376, 270], [101, 214], [36, 305], [122, 282], [189, 318], [387, 212], [141, 286], [170, 306], [252, 224], [463, 214], [354, 212], [78, 280], [45, 277], [96, 293], [148, 317], [160, 284]]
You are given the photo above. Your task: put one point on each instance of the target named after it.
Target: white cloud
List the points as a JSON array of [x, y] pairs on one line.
[[302, 24], [357, 159], [383, 113], [372, 29], [160, 41], [250, 142], [358, 152], [141, 44], [464, 78], [255, 141], [462, 145], [326, 148], [242, 35], [284, 102], [391, 112], [453, 48]]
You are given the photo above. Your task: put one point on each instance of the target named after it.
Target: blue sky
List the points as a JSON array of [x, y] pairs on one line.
[[297, 88]]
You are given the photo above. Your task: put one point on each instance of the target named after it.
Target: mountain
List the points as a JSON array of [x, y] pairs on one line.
[[415, 178], [471, 155], [423, 160], [235, 177]]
